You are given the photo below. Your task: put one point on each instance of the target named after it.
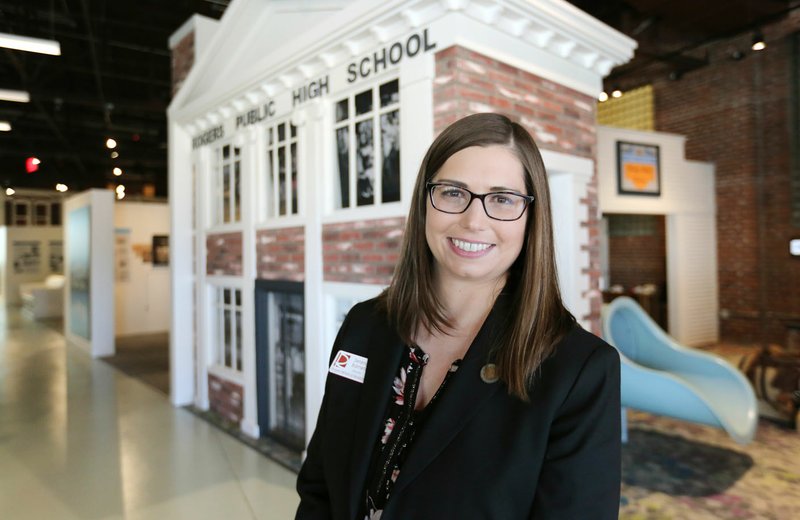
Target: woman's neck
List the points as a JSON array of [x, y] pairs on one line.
[[467, 303]]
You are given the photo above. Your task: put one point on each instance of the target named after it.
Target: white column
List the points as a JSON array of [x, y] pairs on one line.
[[181, 343]]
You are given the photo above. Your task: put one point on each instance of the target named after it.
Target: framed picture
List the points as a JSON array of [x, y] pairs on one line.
[[638, 169], [160, 250]]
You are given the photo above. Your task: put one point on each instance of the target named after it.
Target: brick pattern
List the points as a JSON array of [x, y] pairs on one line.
[[559, 119], [636, 260], [362, 252], [225, 398], [182, 61], [736, 115], [280, 254], [224, 254]]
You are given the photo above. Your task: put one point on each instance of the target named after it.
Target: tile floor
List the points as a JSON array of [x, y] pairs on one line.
[[81, 440]]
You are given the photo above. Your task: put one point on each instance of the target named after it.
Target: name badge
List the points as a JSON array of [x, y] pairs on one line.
[[350, 366]]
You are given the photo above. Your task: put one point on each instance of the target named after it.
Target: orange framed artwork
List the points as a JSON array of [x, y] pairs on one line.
[[638, 169]]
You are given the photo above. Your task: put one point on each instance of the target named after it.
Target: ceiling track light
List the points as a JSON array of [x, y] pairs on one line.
[[603, 97], [5, 126], [25, 43], [758, 42], [616, 93], [17, 96]]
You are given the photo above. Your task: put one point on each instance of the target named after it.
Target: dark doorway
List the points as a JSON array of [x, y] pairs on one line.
[[637, 262], [280, 361]]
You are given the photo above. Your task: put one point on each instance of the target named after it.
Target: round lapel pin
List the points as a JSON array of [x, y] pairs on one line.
[[489, 373]]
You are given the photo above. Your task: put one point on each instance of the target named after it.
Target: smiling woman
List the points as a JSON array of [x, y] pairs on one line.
[[472, 388]]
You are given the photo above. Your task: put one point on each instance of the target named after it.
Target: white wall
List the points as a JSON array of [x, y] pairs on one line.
[[143, 300], [688, 201], [12, 280]]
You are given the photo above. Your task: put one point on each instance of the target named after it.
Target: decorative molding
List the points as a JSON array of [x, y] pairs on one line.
[[553, 26]]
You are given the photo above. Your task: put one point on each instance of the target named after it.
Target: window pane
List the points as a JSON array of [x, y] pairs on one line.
[[365, 159], [238, 343], [364, 102], [341, 110], [226, 193], [343, 156], [292, 130], [238, 294], [226, 296], [294, 178], [226, 151], [390, 93], [390, 143], [237, 202], [9, 220], [55, 213], [282, 180], [271, 185], [226, 318], [270, 136], [281, 132]]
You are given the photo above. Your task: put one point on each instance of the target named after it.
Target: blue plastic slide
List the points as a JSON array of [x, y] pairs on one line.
[[663, 377]]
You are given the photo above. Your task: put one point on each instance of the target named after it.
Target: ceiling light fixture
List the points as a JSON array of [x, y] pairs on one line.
[[114, 155], [758, 42], [26, 43], [617, 93], [61, 187], [18, 96], [5, 126], [110, 143], [602, 97], [10, 191], [117, 171]]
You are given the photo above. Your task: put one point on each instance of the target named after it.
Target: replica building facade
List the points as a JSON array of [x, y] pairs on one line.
[[294, 144]]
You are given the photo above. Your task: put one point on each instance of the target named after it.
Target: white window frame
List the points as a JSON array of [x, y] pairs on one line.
[[270, 186], [218, 184], [350, 123], [218, 307]]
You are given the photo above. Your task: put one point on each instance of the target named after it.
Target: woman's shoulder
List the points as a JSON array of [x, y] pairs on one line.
[[579, 349]]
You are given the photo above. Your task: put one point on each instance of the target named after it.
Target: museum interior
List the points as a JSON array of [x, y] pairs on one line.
[[191, 206]]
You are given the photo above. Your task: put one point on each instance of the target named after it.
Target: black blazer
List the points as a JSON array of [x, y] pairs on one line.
[[482, 454]]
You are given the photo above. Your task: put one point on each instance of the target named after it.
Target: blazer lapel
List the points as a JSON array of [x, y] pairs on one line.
[[460, 401], [383, 361]]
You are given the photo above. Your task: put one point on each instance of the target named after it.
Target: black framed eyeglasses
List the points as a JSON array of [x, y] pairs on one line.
[[498, 205]]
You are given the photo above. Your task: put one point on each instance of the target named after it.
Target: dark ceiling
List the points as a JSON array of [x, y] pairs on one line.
[[113, 77]]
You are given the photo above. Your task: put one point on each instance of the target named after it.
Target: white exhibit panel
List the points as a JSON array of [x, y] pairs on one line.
[[687, 200], [141, 267], [89, 270], [29, 254]]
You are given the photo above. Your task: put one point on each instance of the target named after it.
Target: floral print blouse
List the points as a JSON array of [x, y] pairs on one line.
[[400, 426]]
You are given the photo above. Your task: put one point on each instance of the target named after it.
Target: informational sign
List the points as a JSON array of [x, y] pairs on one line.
[[78, 251], [638, 171], [56, 260], [26, 256]]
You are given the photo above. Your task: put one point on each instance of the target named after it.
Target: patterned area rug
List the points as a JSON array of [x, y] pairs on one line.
[[678, 470]]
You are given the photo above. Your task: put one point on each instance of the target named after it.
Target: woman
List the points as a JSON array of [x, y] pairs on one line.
[[466, 390]]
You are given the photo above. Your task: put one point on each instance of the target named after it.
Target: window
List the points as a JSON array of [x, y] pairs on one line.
[[367, 132], [41, 215], [281, 196], [55, 213], [227, 172], [21, 214], [228, 307]]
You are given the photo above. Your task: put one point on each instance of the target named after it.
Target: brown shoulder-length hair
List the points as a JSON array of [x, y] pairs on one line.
[[539, 319]]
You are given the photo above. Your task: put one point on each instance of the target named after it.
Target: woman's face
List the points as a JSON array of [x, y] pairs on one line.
[[470, 246]]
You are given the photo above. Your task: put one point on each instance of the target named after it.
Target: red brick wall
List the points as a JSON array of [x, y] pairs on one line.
[[182, 61], [736, 115], [225, 398], [361, 252], [636, 260], [224, 254], [558, 118], [280, 254]]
